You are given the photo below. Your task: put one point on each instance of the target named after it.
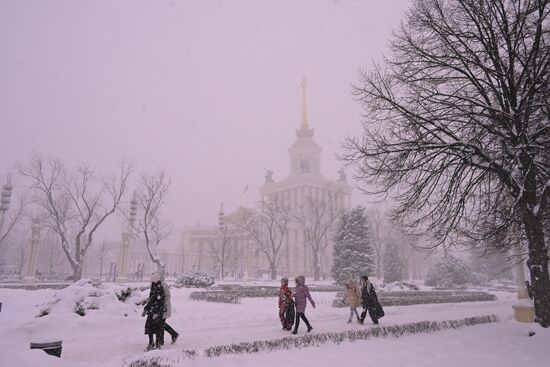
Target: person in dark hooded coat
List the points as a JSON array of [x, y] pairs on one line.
[[302, 295], [369, 300], [154, 308]]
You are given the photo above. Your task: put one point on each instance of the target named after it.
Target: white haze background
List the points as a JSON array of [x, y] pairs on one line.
[[207, 90]]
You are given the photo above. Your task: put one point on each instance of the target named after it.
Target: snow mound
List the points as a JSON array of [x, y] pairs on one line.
[[85, 296]]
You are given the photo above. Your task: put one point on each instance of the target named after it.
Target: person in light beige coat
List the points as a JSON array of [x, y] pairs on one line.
[[352, 298], [167, 313]]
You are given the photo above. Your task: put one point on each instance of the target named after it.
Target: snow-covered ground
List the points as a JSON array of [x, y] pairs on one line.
[[113, 335]]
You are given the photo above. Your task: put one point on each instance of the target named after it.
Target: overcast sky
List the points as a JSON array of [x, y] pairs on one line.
[[207, 90]]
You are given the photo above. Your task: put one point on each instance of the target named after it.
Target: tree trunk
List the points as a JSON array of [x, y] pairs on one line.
[[316, 267], [538, 267], [273, 269], [77, 272]]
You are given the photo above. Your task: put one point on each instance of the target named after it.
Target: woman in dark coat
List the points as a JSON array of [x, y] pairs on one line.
[[301, 296], [154, 308], [369, 299], [286, 305]]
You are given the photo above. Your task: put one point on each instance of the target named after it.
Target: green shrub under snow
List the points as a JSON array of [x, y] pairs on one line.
[[194, 279], [215, 296], [408, 298], [232, 293]]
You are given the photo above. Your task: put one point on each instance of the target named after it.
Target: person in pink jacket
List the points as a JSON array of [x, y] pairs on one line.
[[302, 295]]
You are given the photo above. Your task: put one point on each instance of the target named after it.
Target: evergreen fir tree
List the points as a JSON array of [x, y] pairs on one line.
[[353, 248], [393, 264]]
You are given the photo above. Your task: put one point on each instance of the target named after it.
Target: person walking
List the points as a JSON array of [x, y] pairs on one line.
[[286, 305], [370, 302], [352, 298], [154, 308], [302, 295], [167, 313]]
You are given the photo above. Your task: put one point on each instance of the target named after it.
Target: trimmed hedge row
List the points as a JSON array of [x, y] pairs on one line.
[[309, 340], [229, 293], [215, 296], [420, 298]]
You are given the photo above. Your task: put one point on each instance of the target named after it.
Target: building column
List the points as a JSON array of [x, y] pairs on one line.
[[31, 261], [123, 258]]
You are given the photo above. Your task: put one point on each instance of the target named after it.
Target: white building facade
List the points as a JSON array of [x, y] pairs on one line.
[[304, 184]]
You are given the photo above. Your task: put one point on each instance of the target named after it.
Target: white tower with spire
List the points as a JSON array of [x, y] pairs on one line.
[[304, 181]]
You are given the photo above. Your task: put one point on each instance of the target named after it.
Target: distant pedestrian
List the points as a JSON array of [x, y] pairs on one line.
[[286, 305], [166, 314], [301, 296], [154, 308], [370, 302], [352, 298]]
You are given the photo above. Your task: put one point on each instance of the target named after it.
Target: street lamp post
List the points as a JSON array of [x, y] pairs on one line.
[[221, 254], [125, 243]]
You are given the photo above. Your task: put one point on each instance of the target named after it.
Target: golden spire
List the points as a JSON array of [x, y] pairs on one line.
[[304, 106]]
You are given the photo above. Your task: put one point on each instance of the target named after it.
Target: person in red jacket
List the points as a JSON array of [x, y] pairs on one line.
[[286, 305]]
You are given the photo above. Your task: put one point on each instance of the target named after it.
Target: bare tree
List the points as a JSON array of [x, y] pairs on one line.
[[73, 203], [317, 218], [223, 249], [458, 121], [51, 259], [101, 254], [151, 197], [267, 226]]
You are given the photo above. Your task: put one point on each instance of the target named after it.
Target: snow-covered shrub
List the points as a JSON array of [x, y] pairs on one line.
[[215, 296], [477, 278], [79, 308], [163, 361], [87, 295], [194, 279], [407, 298], [448, 273], [148, 362], [124, 294], [43, 312], [405, 285]]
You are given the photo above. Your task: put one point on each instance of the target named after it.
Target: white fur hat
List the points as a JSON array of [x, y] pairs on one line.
[[155, 277]]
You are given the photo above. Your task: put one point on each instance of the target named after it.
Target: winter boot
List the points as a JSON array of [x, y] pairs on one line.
[[149, 347], [296, 325], [175, 337], [309, 328]]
